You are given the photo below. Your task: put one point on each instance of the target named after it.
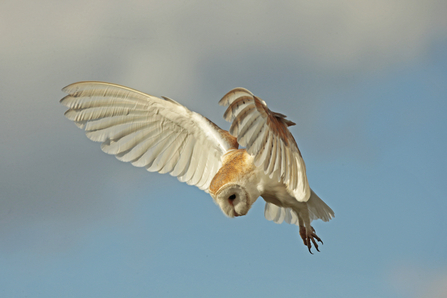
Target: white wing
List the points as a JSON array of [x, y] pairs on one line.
[[159, 134], [265, 135]]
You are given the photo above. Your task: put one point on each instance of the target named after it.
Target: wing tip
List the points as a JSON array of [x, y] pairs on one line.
[[171, 101], [226, 99], [68, 89]]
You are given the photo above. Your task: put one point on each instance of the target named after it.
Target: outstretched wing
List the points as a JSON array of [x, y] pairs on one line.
[[159, 134], [265, 135]]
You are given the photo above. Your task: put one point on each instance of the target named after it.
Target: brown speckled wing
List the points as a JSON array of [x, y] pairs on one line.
[[266, 136]]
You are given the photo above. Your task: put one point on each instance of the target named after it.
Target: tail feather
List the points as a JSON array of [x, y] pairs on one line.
[[318, 209]]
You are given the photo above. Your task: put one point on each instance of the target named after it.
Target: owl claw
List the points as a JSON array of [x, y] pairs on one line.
[[309, 239]]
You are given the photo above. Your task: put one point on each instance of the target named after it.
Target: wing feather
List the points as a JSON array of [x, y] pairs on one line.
[[115, 132], [272, 165], [212, 167], [121, 144], [136, 144], [205, 179], [159, 156], [115, 121], [243, 119], [194, 161], [258, 138], [153, 149], [283, 159], [266, 136], [159, 134], [185, 158], [171, 155], [248, 130], [196, 177]]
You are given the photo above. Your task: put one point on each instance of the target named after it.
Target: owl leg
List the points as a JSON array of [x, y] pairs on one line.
[[308, 239], [307, 232]]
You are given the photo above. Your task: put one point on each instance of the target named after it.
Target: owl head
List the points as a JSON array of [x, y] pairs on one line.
[[234, 200]]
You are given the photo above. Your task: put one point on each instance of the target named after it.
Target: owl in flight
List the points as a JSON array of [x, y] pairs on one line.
[[164, 136]]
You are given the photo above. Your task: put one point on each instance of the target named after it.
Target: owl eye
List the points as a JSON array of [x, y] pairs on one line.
[[232, 197]]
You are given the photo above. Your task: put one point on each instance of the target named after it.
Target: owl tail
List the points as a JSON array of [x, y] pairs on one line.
[[318, 209]]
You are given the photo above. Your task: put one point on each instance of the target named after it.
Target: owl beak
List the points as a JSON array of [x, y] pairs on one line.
[[234, 209]]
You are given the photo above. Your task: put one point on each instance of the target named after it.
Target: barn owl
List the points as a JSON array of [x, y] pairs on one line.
[[164, 136]]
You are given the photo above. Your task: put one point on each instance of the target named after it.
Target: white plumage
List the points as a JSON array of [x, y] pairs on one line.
[[164, 136]]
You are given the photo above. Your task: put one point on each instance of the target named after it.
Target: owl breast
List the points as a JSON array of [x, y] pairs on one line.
[[237, 166]]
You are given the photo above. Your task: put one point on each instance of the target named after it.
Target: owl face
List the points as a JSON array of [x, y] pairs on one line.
[[234, 200]]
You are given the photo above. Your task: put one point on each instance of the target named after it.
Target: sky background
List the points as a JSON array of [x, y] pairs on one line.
[[365, 81]]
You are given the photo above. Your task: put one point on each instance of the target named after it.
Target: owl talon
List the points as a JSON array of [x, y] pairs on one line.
[[308, 240]]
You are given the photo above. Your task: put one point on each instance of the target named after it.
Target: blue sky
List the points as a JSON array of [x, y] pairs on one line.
[[365, 83]]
